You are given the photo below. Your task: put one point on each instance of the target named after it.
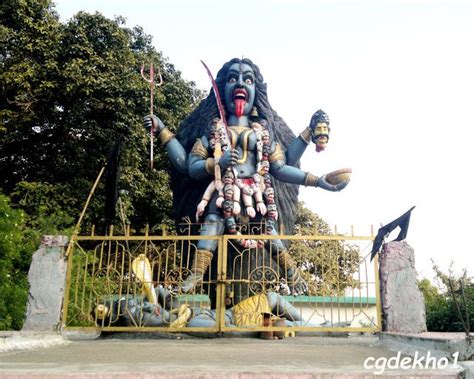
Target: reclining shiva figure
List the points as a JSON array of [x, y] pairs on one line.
[[246, 172], [133, 311]]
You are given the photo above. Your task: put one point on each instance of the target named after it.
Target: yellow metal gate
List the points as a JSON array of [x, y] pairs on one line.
[[132, 283]]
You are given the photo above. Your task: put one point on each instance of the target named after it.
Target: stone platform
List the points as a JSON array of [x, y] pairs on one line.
[[178, 357]]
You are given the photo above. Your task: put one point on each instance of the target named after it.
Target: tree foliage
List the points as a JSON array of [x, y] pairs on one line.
[[13, 284], [327, 265], [442, 314], [68, 90]]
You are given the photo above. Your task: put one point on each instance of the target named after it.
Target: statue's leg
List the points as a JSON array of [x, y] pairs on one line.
[[213, 226], [297, 284], [275, 246], [135, 312], [206, 318], [166, 299], [283, 308], [155, 315]]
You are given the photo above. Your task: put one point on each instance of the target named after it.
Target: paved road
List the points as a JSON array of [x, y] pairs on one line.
[[308, 357]]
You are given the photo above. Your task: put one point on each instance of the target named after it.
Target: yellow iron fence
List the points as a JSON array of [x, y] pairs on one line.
[[132, 283]]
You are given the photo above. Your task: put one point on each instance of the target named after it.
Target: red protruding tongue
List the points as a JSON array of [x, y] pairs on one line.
[[239, 107]]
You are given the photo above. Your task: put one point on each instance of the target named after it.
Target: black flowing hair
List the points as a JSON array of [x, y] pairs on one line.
[[188, 192]]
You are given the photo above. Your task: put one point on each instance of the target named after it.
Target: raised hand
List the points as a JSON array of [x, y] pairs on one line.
[[151, 121]]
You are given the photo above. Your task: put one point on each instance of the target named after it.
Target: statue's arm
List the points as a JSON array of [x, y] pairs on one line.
[[297, 147], [200, 164], [280, 170], [205, 199], [175, 150], [289, 174]]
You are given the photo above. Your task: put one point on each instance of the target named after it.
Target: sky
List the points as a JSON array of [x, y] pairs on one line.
[[395, 77]]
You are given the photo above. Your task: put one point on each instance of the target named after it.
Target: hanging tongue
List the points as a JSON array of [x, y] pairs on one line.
[[239, 107]]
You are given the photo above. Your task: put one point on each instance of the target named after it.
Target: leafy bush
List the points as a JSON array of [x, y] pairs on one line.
[[327, 266], [68, 91], [13, 284], [50, 207], [442, 314], [20, 236]]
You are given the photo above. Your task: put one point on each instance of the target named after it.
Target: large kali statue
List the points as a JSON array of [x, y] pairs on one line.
[[242, 167]]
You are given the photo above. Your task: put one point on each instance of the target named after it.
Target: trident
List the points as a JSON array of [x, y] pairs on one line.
[[151, 81]]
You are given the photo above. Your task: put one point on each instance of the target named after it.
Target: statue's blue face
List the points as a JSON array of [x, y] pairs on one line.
[[239, 90]]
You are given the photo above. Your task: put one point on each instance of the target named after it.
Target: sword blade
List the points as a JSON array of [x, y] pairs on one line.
[[217, 95]]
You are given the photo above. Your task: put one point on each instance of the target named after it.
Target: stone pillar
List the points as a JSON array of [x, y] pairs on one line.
[[47, 278], [403, 305]]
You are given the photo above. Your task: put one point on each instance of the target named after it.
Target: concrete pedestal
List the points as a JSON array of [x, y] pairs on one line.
[[403, 306], [47, 276]]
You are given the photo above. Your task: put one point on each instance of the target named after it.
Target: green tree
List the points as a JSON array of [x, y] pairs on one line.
[[430, 292], [442, 314], [30, 33], [328, 266], [438, 313], [68, 90], [13, 284]]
